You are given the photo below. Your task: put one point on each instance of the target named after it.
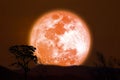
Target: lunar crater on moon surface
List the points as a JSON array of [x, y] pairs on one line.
[[61, 38]]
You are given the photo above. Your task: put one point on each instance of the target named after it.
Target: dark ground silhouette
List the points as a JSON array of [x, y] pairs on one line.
[[42, 72]]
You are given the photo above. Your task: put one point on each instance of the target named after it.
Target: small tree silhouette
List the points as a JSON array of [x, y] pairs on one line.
[[106, 66], [103, 62], [101, 59], [23, 54]]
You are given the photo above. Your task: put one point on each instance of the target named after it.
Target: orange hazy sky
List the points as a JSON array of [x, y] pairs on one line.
[[18, 17]]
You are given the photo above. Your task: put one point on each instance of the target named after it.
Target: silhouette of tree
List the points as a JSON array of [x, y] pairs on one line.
[[106, 64], [23, 54], [101, 59], [111, 62]]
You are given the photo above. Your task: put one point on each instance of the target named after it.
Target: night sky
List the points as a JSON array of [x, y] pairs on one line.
[[18, 16]]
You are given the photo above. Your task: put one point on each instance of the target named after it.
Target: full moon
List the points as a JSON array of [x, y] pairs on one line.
[[61, 38]]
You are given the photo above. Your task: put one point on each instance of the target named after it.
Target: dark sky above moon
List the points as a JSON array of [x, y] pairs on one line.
[[18, 16]]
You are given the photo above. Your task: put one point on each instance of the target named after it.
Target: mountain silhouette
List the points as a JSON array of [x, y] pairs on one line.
[[6, 74], [45, 72]]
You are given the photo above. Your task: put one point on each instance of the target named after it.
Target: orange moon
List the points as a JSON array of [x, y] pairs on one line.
[[61, 38]]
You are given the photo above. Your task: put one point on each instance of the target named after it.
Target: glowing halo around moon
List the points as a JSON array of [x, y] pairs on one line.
[[61, 38]]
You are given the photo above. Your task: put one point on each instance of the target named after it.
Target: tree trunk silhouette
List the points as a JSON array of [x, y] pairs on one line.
[[25, 76]]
